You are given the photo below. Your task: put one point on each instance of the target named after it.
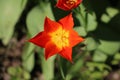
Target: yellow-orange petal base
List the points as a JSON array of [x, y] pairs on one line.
[[58, 37]]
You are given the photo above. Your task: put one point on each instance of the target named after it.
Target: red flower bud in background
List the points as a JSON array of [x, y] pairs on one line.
[[58, 37], [68, 4]]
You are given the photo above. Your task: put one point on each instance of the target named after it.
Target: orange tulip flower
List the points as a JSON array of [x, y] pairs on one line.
[[58, 37], [68, 4]]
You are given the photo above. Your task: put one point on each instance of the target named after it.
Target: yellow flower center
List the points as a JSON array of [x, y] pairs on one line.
[[70, 3], [60, 38]]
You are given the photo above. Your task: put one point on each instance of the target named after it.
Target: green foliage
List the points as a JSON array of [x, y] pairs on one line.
[[91, 44], [10, 11], [28, 57], [110, 13], [35, 19], [95, 20], [109, 47], [99, 56], [47, 65], [18, 73], [81, 30], [87, 19]]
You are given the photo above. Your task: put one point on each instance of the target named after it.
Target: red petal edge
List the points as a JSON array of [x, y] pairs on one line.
[[50, 26], [40, 39], [67, 22], [75, 38], [67, 54]]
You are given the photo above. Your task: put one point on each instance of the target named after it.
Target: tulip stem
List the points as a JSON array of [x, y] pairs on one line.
[[61, 69]]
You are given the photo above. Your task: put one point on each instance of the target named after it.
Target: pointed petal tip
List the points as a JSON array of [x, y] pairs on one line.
[[67, 22], [30, 40], [70, 14], [71, 61], [46, 18], [46, 58], [82, 39]]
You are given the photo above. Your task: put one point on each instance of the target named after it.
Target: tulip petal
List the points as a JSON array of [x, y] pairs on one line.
[[50, 26], [51, 49], [40, 39], [67, 22], [67, 54], [58, 37], [60, 4], [74, 38], [78, 2], [68, 5]]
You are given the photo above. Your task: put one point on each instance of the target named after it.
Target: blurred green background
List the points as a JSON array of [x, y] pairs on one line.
[[97, 58]]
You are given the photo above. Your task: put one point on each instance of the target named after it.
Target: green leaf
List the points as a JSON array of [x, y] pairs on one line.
[[96, 75], [81, 15], [12, 71], [28, 57], [99, 56], [87, 20], [109, 47], [111, 12], [26, 75], [10, 11], [91, 22], [115, 62], [101, 66], [35, 18], [15, 71], [74, 68], [117, 56], [81, 30], [90, 43], [47, 65], [105, 18], [48, 68]]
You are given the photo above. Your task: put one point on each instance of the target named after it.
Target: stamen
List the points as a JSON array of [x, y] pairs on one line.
[[60, 37]]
